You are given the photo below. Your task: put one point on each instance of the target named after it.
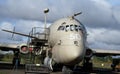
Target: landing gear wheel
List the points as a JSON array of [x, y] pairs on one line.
[[57, 67], [114, 65], [87, 65]]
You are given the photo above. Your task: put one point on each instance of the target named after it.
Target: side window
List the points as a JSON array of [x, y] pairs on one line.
[[71, 27], [61, 28], [79, 27], [76, 28]]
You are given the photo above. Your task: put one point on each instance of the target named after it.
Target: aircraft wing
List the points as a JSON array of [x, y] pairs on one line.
[[7, 47], [23, 48], [105, 52]]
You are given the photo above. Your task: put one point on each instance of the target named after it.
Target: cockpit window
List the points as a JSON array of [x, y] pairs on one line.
[[76, 27], [67, 27], [79, 27], [71, 27], [61, 28]]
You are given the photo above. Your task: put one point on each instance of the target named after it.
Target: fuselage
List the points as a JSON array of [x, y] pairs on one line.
[[67, 39]]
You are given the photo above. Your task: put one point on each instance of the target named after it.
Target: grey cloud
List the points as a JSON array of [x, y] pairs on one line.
[[7, 36], [101, 18], [104, 38], [116, 11], [96, 13], [5, 25], [26, 26], [21, 26], [101, 45]]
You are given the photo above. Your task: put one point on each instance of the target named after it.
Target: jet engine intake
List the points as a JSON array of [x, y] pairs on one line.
[[89, 53], [23, 49]]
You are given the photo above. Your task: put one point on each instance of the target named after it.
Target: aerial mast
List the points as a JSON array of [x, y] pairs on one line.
[[45, 25]]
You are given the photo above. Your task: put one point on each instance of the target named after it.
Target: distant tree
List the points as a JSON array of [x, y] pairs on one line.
[[102, 59], [1, 57]]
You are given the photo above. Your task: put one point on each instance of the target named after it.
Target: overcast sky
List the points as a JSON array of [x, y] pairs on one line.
[[101, 18]]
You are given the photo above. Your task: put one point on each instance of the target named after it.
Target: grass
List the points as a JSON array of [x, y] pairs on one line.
[[97, 61], [102, 65], [3, 73]]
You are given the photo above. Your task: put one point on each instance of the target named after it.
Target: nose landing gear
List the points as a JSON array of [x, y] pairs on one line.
[[87, 65]]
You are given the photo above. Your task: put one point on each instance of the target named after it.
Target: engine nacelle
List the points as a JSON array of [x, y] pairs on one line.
[[89, 53], [23, 48]]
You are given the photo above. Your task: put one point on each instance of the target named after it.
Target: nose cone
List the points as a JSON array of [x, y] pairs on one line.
[[67, 54]]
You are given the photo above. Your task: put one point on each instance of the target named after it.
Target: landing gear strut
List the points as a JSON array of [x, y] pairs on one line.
[[87, 65], [115, 62]]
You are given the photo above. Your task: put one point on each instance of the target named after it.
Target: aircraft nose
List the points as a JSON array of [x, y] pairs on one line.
[[66, 54]]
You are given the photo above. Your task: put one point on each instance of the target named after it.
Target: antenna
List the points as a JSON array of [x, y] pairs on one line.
[[76, 14], [13, 33], [45, 26]]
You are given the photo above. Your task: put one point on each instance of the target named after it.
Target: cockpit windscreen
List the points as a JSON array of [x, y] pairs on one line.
[[71, 27]]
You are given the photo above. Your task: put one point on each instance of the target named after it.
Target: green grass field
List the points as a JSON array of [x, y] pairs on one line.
[[99, 62]]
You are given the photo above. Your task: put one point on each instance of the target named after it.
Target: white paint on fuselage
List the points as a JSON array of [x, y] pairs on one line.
[[67, 46]]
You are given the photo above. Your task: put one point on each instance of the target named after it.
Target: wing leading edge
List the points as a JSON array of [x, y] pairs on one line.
[[105, 52], [7, 47]]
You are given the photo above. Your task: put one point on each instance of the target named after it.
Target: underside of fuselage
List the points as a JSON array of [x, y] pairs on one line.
[[68, 55]]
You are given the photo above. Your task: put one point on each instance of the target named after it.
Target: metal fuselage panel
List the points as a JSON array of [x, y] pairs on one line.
[[68, 46]]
